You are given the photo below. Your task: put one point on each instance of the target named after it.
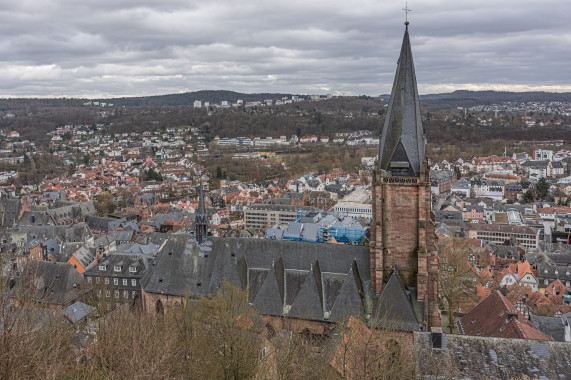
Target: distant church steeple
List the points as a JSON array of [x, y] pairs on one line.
[[201, 218], [402, 145]]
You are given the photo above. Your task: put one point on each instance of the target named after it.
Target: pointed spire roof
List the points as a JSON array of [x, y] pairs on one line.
[[402, 144], [201, 218], [201, 210]]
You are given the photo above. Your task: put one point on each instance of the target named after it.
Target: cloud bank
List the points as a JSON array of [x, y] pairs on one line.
[[143, 47]]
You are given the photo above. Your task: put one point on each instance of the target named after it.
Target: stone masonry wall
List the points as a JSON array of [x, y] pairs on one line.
[[403, 235]]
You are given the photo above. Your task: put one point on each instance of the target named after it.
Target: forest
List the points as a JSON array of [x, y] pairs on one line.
[[449, 131]]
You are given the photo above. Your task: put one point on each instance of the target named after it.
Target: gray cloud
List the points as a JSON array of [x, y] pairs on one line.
[[143, 47]]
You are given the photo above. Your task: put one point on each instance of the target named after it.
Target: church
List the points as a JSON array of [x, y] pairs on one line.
[[313, 286]]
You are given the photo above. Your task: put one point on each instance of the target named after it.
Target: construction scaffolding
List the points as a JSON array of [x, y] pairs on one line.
[[321, 227]]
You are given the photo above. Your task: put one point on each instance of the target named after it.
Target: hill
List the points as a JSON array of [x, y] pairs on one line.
[[188, 98], [465, 97]]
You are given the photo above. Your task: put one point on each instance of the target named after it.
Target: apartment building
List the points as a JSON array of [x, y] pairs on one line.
[[261, 215], [502, 233]]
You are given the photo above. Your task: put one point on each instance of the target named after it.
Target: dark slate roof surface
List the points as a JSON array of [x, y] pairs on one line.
[[347, 303], [552, 326], [282, 274], [51, 282], [35, 218], [78, 311], [402, 134], [395, 309], [471, 357]]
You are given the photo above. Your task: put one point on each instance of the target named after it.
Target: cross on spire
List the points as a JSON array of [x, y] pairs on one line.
[[406, 10]]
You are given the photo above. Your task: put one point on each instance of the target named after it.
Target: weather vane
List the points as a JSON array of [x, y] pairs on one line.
[[406, 10]]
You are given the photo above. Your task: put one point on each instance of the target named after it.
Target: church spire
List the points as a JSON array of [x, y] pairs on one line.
[[402, 144], [201, 218]]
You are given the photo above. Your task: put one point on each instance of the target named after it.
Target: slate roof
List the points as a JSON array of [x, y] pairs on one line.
[[157, 220], [35, 218], [152, 237], [29, 318], [470, 357], [395, 306], [131, 265], [149, 249], [402, 136], [85, 255], [63, 214], [78, 311], [441, 175], [447, 215], [319, 282], [514, 186], [87, 208], [553, 326], [119, 236], [10, 208], [78, 232], [99, 223], [49, 282], [536, 164], [552, 272]]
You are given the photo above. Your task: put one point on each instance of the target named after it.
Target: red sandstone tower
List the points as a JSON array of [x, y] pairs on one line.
[[402, 230]]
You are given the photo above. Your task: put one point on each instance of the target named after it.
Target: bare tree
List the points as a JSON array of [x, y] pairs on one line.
[[457, 275]]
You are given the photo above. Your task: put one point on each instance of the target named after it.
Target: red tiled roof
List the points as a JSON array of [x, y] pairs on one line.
[[482, 292], [496, 316], [559, 289], [553, 210]]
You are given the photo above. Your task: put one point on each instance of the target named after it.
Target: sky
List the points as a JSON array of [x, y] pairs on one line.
[[110, 48]]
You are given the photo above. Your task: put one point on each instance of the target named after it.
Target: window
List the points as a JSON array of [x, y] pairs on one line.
[[116, 294], [97, 280], [125, 294], [107, 293], [125, 282], [117, 268], [89, 280], [103, 267], [133, 282], [115, 281], [263, 353], [106, 280], [132, 269], [99, 293], [134, 294]]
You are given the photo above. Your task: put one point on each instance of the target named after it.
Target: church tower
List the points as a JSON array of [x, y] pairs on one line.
[[402, 229], [201, 218]]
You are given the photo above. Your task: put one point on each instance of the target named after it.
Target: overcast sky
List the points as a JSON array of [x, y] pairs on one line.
[[109, 48]]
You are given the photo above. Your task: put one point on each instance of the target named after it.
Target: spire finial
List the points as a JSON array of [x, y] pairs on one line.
[[406, 10]]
